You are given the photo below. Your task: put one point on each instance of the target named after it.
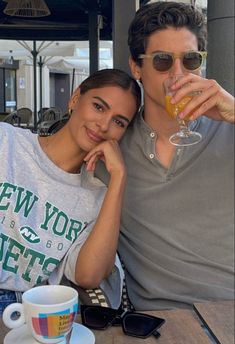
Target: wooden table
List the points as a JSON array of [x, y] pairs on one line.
[[181, 327], [218, 317]]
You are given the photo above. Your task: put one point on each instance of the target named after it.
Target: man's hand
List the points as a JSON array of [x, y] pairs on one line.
[[211, 99]]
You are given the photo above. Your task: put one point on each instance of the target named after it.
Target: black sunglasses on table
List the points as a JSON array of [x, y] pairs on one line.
[[133, 323]]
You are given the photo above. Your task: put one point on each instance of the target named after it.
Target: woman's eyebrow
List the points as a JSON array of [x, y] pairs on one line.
[[102, 101], [124, 118], [108, 107]]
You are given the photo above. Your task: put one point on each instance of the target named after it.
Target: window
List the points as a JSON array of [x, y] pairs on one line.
[[10, 90]]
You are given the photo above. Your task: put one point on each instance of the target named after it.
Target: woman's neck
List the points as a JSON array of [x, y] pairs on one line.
[[62, 152]]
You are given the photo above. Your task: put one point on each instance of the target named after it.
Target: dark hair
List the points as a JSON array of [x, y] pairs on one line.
[[112, 77], [159, 16]]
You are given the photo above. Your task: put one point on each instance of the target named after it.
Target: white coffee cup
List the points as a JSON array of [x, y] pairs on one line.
[[49, 312]]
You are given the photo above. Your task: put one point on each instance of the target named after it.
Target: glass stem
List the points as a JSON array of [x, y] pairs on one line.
[[183, 126]]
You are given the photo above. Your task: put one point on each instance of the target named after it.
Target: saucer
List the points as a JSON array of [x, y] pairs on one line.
[[21, 335], [81, 334]]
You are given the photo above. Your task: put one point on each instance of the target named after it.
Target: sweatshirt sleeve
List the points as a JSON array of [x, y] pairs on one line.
[[68, 263], [112, 285]]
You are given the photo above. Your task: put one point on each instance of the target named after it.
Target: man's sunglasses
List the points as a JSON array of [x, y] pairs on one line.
[[163, 61], [133, 324]]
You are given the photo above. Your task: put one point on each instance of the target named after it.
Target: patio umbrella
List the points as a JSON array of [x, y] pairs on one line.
[[33, 50], [74, 67], [77, 67], [62, 57]]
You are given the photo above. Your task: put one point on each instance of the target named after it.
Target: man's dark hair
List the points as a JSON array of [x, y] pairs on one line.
[[159, 16]]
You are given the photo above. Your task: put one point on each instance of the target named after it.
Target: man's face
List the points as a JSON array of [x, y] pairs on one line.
[[167, 40]]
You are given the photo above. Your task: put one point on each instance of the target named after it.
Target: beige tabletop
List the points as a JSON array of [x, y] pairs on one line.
[[181, 327], [219, 319]]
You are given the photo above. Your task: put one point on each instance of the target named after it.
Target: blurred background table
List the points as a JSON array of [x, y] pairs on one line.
[[218, 317]]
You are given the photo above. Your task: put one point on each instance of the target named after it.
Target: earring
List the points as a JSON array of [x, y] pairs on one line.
[[70, 112]]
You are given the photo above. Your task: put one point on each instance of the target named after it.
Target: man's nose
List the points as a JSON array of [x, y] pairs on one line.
[[177, 67]]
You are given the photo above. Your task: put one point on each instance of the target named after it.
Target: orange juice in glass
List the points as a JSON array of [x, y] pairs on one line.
[[184, 137], [174, 109]]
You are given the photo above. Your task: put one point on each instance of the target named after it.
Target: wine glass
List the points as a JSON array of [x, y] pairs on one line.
[[184, 137]]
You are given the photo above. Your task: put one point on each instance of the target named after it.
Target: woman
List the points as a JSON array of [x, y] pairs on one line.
[[55, 217]]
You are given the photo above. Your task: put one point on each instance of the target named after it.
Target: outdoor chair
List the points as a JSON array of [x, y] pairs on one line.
[[25, 115], [97, 297], [57, 125], [53, 113], [12, 118], [48, 118], [41, 112], [51, 126]]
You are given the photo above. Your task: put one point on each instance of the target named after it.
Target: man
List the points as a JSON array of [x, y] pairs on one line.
[[177, 230]]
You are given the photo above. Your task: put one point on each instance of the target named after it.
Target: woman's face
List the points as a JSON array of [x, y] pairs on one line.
[[101, 114]]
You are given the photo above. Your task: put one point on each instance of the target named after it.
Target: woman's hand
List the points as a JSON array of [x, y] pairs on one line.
[[211, 99], [110, 153]]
